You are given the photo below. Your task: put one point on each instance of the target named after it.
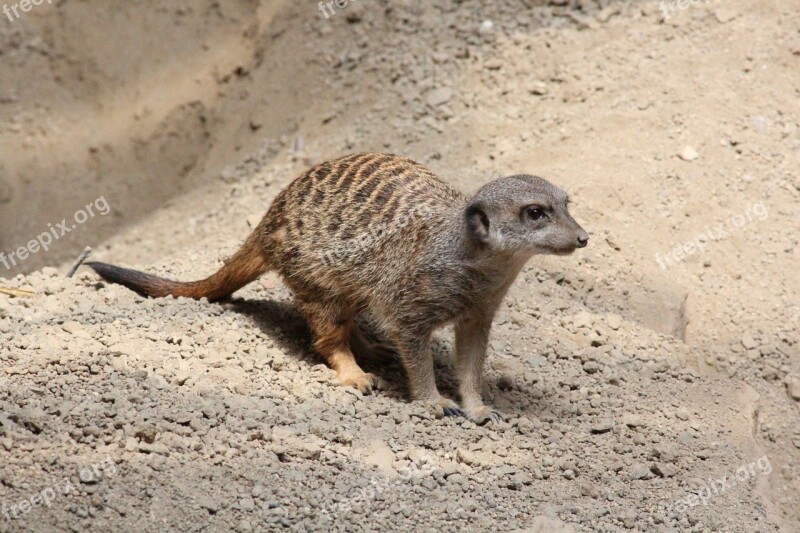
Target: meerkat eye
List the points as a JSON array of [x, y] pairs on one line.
[[535, 213]]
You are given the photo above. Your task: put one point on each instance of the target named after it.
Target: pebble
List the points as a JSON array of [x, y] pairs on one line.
[[633, 420], [725, 15], [688, 154], [640, 471], [614, 321], [664, 469], [749, 342], [439, 96], [380, 455], [208, 503], [592, 367], [467, 457], [602, 426], [538, 88]]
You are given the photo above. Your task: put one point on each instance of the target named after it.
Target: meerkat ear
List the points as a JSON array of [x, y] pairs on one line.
[[477, 222]]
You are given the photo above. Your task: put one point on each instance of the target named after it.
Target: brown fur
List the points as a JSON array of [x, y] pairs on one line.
[[382, 233]]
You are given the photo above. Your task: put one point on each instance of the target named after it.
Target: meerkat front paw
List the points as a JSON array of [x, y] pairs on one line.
[[445, 407], [483, 414], [451, 408]]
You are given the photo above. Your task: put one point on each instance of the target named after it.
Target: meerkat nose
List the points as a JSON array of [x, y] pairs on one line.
[[583, 238]]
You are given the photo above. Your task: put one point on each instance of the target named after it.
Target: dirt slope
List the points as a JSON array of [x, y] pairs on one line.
[[650, 382]]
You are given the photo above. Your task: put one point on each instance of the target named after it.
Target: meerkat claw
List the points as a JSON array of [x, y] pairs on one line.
[[485, 414], [454, 411], [448, 407], [496, 417]]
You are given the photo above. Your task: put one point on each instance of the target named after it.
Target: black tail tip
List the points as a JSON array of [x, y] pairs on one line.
[[103, 269], [134, 280]]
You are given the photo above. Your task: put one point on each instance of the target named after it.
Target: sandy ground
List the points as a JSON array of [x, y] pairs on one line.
[[650, 382]]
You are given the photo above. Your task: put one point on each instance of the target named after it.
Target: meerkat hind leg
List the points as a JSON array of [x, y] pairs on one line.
[[331, 328], [367, 349]]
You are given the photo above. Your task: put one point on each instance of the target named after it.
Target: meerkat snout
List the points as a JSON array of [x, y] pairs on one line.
[[583, 238], [524, 214]]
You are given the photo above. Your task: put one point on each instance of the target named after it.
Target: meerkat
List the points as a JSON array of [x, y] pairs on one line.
[[440, 258]]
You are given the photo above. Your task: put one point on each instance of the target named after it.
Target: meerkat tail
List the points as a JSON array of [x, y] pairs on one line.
[[243, 267]]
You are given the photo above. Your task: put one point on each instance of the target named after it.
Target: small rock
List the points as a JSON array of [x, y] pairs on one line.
[[632, 420], [247, 504], [627, 516], [590, 490], [665, 453], [456, 478], [602, 426], [660, 366], [688, 154], [640, 471], [467, 457], [208, 503], [704, 454], [591, 367], [749, 342], [682, 414], [539, 88], [439, 96], [535, 361], [614, 321], [147, 434], [582, 320], [380, 455], [72, 327], [156, 448], [449, 468], [525, 425], [725, 15], [182, 377], [664, 470]]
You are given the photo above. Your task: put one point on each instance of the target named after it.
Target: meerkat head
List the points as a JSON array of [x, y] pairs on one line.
[[523, 215]]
